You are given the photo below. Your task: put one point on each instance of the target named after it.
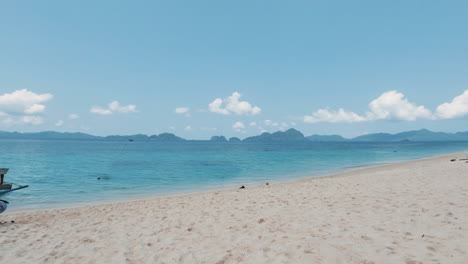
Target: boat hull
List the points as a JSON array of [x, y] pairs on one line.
[[5, 186]]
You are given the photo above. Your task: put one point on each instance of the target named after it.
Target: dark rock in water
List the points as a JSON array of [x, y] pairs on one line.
[[242, 187]]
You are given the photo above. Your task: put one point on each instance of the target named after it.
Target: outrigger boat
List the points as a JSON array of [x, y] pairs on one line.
[[8, 187]]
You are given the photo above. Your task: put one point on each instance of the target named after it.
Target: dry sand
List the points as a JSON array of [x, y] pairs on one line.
[[411, 212]]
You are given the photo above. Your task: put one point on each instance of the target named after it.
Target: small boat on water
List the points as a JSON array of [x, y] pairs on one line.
[[8, 187]]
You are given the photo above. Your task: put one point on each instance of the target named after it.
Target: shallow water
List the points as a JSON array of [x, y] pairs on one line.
[[62, 173]]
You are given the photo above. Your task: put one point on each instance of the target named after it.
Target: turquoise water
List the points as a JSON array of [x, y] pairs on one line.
[[61, 173]]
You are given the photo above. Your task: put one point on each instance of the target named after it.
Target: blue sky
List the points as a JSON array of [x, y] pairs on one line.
[[124, 67]]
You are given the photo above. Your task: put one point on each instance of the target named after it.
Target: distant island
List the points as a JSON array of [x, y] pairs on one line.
[[290, 135]]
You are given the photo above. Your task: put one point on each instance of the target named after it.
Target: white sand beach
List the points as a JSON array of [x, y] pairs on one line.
[[410, 212]]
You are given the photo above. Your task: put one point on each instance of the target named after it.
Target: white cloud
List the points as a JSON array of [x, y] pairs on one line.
[[390, 106], [283, 126], [252, 123], [34, 109], [21, 120], [215, 107], [73, 116], [188, 128], [181, 110], [457, 108], [232, 105], [59, 123], [209, 128], [238, 126], [100, 111], [23, 102], [117, 108], [271, 123], [114, 107], [34, 120], [325, 115], [172, 127], [393, 105], [8, 121]]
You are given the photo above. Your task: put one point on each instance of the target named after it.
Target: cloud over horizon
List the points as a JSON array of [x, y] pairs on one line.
[[23, 107], [232, 105], [23, 102], [238, 126], [34, 120], [114, 107], [331, 116], [458, 107], [393, 105]]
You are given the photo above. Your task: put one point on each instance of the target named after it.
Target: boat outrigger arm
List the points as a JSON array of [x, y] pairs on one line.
[[14, 189]]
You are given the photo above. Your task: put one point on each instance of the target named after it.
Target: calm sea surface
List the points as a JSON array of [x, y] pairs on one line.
[[62, 173]]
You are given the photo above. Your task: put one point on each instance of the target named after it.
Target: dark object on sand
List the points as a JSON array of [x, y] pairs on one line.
[[242, 187], [423, 235], [3, 206], [452, 160]]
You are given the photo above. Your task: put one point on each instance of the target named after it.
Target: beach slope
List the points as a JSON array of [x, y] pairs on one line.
[[410, 212]]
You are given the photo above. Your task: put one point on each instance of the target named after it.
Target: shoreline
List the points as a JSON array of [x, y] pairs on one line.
[[307, 177], [408, 212]]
